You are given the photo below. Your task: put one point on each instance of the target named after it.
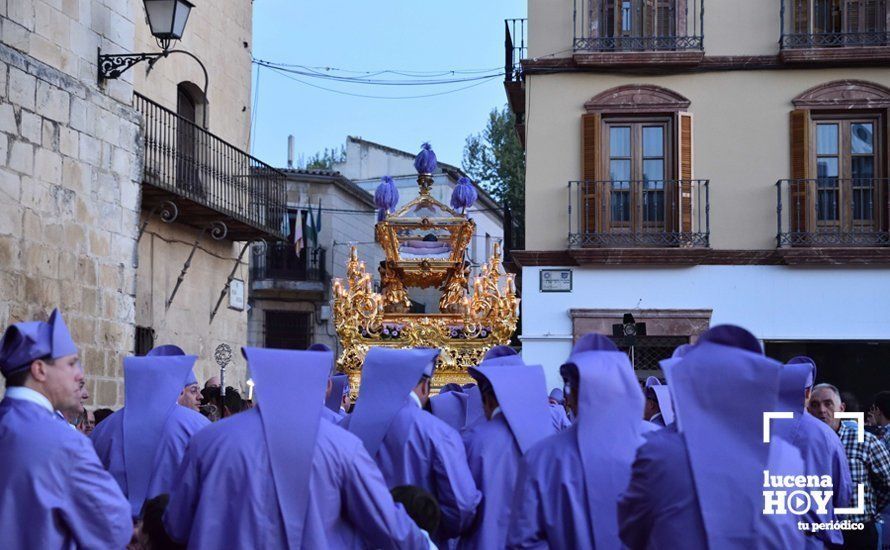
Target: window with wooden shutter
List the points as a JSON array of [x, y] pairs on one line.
[[590, 171], [684, 171], [800, 170]]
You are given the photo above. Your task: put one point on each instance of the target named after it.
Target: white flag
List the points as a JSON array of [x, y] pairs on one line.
[[298, 233]]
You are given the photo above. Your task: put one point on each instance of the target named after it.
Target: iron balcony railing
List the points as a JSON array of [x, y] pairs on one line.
[[832, 212], [279, 261], [638, 25], [187, 161], [639, 213], [833, 23], [515, 49]]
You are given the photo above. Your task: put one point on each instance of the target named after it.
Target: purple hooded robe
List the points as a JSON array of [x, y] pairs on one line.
[[277, 476], [54, 492], [142, 444], [410, 445], [700, 481], [821, 449], [495, 447], [569, 483]]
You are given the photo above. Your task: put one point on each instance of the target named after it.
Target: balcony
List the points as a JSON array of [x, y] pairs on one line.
[[208, 179], [279, 269], [832, 212], [834, 30], [515, 50], [638, 32], [648, 214]]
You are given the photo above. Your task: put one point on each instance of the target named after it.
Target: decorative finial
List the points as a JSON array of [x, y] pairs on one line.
[[425, 161], [464, 194], [386, 197]]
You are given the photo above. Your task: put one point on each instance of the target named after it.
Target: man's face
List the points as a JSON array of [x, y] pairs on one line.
[[89, 423], [190, 397], [823, 404], [61, 381], [212, 382]]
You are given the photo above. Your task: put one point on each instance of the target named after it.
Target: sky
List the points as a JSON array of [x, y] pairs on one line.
[[360, 35]]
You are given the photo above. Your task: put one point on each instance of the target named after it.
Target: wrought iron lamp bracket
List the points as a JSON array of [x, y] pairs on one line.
[[114, 65]]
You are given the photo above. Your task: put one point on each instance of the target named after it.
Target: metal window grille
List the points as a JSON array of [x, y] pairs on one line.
[[288, 330], [649, 350]]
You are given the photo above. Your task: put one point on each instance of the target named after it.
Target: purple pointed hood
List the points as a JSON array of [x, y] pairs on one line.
[[521, 392], [388, 375], [290, 385], [451, 408], [23, 343], [557, 395], [803, 359], [425, 161], [335, 398], [793, 381], [652, 381], [609, 419], [475, 412], [151, 387], [501, 355], [665, 404], [169, 350], [726, 363]]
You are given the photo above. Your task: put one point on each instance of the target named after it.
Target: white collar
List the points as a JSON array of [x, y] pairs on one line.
[[27, 394], [495, 412], [416, 399]]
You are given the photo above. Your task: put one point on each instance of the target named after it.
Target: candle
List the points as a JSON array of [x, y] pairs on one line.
[[250, 389]]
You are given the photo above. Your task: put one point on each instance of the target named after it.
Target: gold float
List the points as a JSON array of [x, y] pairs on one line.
[[425, 243]]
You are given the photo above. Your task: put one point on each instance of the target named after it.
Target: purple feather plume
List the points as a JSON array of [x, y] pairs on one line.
[[425, 161], [386, 197], [464, 194]]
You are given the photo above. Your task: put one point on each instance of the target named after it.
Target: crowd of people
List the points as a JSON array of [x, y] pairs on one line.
[[720, 453]]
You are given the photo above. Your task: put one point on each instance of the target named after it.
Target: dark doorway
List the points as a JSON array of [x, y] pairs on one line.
[[859, 367], [187, 146], [288, 330]]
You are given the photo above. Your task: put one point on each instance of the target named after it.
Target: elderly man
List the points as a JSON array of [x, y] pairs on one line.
[[54, 493], [301, 482], [143, 444], [410, 445], [869, 465]]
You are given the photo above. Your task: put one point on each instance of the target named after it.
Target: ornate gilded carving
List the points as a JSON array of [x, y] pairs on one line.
[[467, 325]]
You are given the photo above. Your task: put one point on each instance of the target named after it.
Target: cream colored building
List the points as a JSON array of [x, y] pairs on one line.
[[721, 162], [88, 168]]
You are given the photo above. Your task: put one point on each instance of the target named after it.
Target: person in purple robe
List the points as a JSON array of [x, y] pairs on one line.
[[451, 407], [821, 449], [514, 399], [410, 445], [300, 482], [698, 483], [569, 483], [190, 397], [54, 492], [143, 444]]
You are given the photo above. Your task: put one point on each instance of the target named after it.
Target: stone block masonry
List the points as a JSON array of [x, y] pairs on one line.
[[70, 160]]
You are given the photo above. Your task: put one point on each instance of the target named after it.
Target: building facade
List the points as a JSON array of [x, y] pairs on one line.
[[127, 201], [695, 162]]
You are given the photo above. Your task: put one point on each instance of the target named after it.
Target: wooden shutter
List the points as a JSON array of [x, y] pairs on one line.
[[684, 172], [798, 207], [590, 171]]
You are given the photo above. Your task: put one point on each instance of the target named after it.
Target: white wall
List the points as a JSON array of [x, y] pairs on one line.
[[773, 302]]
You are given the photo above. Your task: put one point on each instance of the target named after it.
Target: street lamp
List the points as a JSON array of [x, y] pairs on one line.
[[166, 19]]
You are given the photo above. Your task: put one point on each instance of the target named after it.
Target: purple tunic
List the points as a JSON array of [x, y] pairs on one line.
[[54, 493], [493, 456], [419, 449], [559, 417], [181, 425], [225, 496]]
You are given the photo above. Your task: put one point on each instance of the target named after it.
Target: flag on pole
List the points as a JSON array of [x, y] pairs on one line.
[[285, 224], [298, 233]]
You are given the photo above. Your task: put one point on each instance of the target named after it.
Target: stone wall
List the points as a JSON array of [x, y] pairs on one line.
[[69, 185], [163, 250]]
